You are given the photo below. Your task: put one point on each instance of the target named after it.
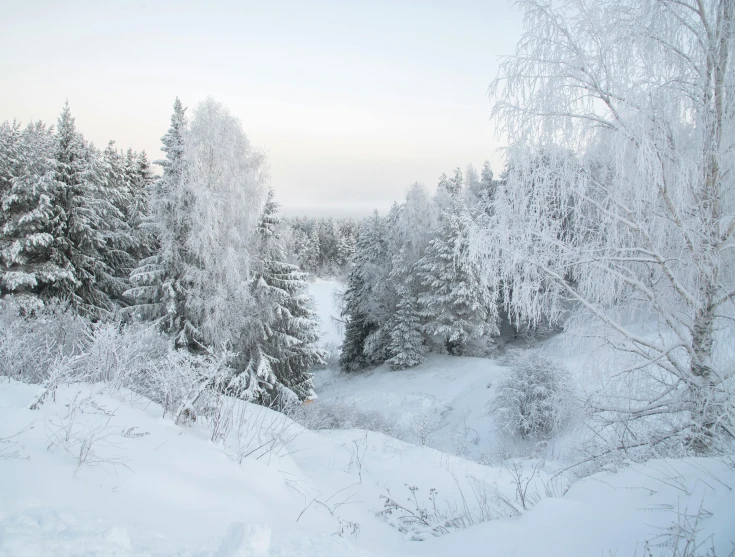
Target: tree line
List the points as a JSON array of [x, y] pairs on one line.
[[414, 286], [322, 246], [614, 218], [200, 250]]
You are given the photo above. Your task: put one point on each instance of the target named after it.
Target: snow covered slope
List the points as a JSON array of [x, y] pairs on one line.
[[96, 472], [161, 489]]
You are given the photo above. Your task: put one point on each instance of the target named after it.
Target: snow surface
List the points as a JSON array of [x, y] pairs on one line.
[[162, 490], [325, 294]]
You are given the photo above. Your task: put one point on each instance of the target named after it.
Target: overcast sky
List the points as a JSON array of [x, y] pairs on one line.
[[352, 101]]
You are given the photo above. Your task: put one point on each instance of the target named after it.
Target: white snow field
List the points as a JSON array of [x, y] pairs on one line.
[[95, 472]]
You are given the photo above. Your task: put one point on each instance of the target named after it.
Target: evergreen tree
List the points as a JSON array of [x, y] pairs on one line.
[[309, 256], [158, 291], [9, 155], [487, 184], [358, 325], [383, 298], [121, 246], [479, 190], [87, 220], [453, 185], [287, 327], [140, 181], [448, 191], [32, 261], [345, 245], [9, 162], [456, 305], [362, 309], [407, 340]]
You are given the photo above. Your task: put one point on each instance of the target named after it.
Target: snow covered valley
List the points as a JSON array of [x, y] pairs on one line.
[[97, 471]]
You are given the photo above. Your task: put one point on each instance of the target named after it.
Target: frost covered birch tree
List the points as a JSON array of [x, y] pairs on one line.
[[641, 91], [227, 181], [205, 211]]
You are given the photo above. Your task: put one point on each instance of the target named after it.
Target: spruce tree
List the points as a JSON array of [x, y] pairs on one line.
[[121, 245], [345, 245], [309, 256], [87, 220], [456, 305], [157, 288], [288, 330], [140, 181], [365, 342], [9, 163], [9, 155], [407, 341], [485, 194], [30, 243]]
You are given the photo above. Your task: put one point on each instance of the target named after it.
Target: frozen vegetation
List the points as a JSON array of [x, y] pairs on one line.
[[390, 463]]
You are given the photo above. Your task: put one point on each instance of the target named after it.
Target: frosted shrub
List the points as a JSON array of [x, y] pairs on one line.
[[184, 384], [122, 354], [339, 415], [32, 342], [533, 399]]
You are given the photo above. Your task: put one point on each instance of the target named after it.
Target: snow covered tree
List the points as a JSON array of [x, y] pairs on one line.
[[641, 92], [409, 237], [87, 220], [346, 240], [453, 185], [482, 192], [9, 161], [287, 327], [157, 289], [9, 156], [363, 304], [407, 341], [122, 246], [140, 181], [455, 303], [449, 190], [227, 181], [534, 398], [310, 250], [205, 209], [138, 172], [32, 262]]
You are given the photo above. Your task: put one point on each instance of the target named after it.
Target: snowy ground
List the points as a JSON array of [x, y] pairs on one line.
[[325, 293], [77, 480]]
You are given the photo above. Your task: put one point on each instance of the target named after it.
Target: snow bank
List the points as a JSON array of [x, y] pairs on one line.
[[160, 489]]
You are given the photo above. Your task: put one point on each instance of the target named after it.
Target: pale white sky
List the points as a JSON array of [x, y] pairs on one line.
[[352, 101]]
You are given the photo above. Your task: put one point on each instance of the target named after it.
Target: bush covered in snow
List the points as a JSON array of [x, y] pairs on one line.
[[33, 339], [534, 398], [338, 415]]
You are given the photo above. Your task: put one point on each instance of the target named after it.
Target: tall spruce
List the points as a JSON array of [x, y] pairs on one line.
[[406, 338], [30, 245], [86, 218], [363, 309], [288, 327], [122, 245], [456, 305], [157, 289]]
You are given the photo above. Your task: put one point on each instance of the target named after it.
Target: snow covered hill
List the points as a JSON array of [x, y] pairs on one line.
[[100, 472]]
